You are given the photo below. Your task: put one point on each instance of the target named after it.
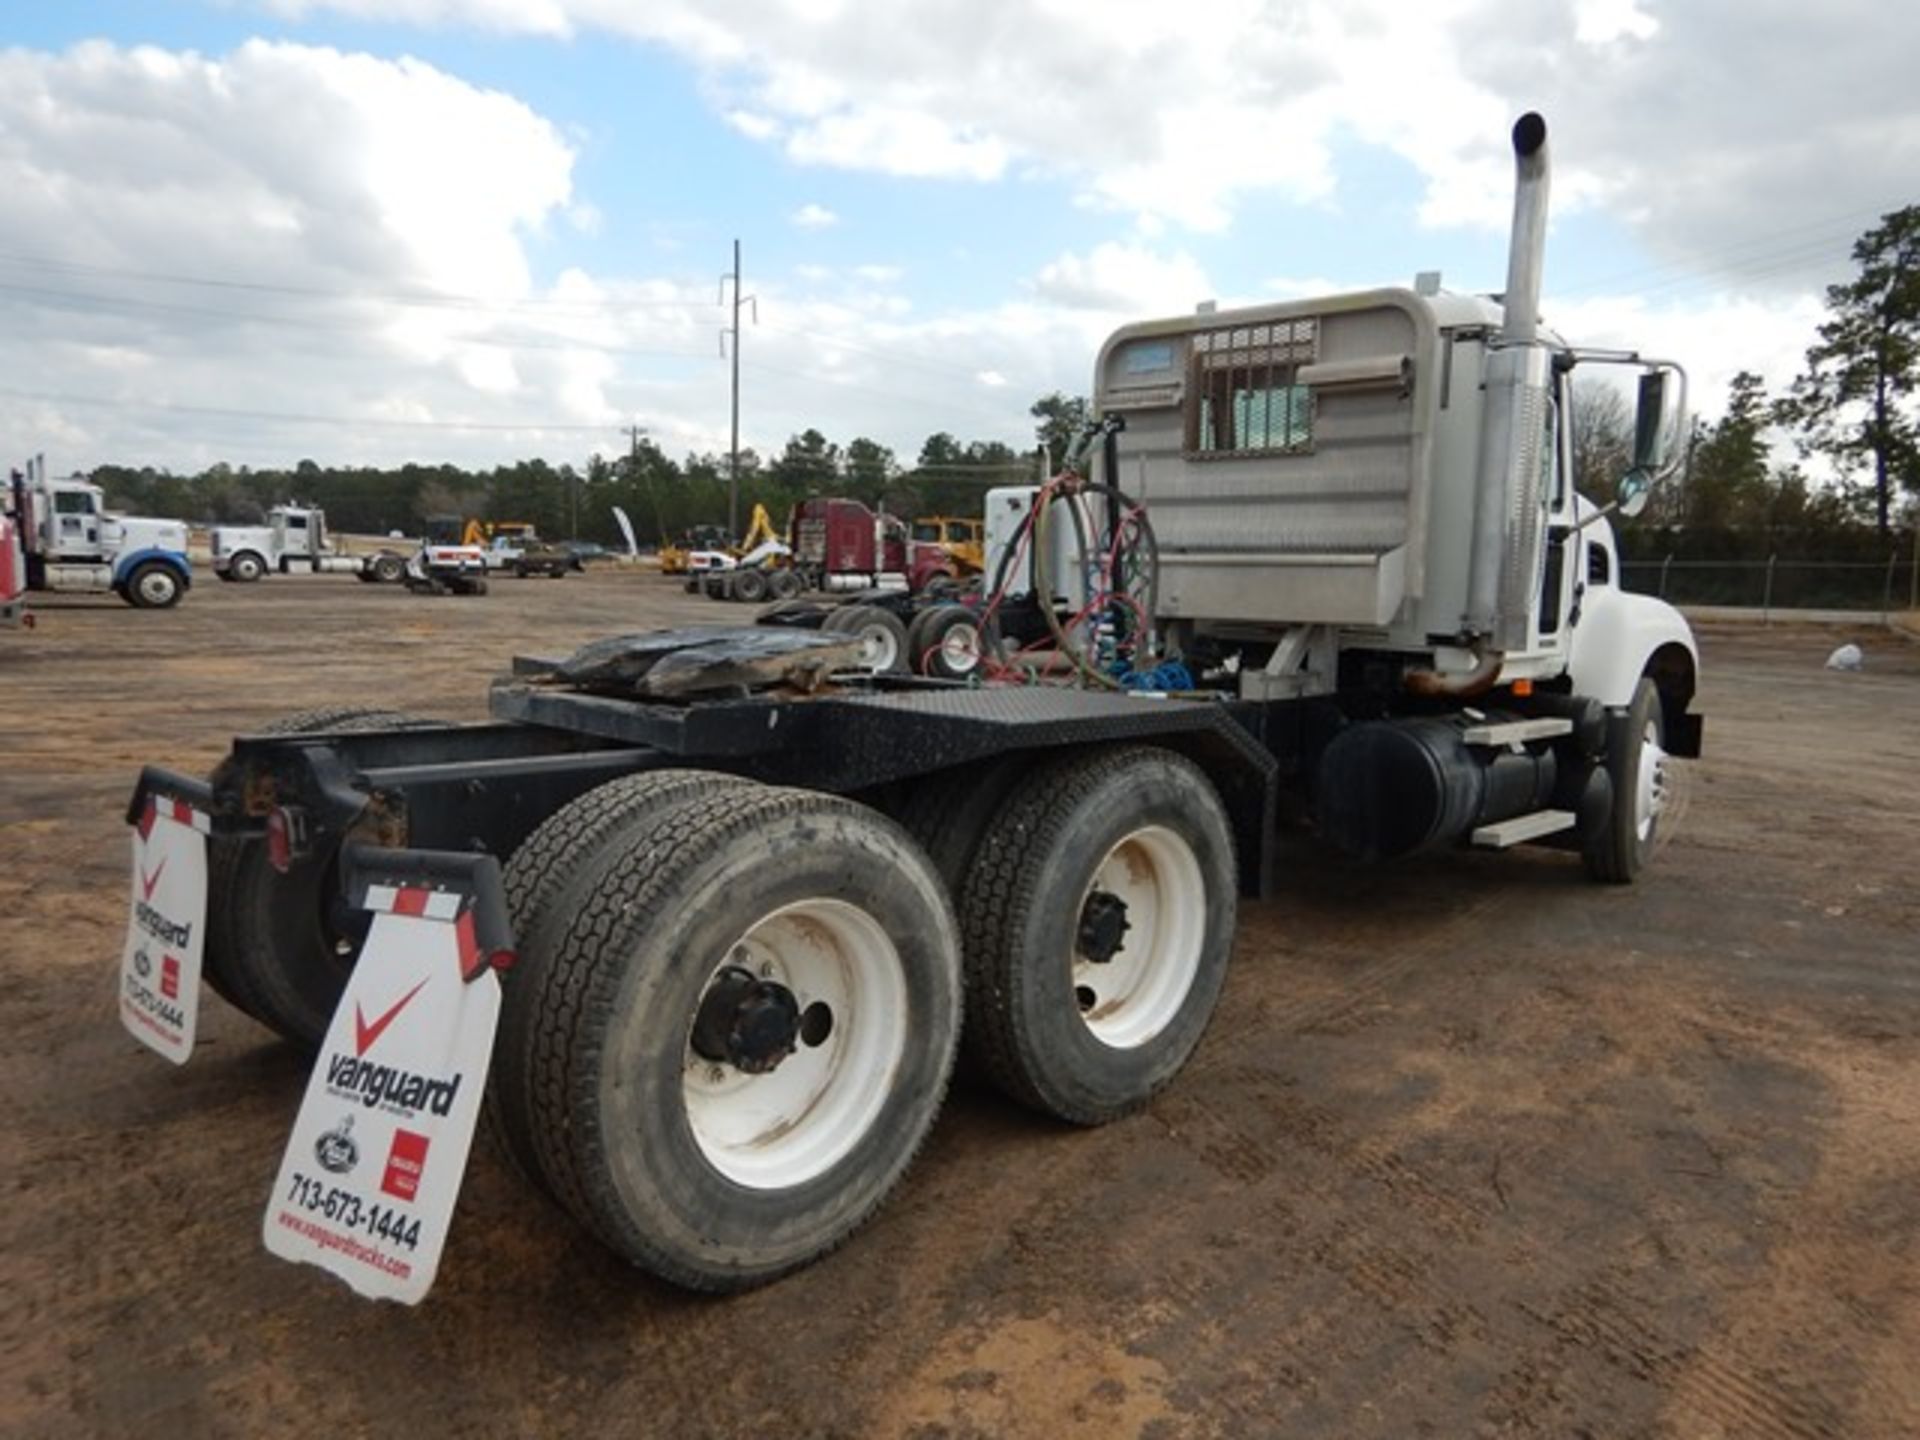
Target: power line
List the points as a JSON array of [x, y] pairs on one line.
[[427, 299], [225, 412], [1817, 236], [906, 357], [129, 305]]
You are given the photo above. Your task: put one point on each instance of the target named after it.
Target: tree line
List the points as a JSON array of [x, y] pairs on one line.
[[663, 497], [1851, 410]]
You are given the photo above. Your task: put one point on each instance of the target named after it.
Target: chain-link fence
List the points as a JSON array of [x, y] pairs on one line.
[[1776, 584]]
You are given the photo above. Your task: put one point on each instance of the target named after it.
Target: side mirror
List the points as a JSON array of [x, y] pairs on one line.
[[1636, 486], [1649, 428], [1652, 439]]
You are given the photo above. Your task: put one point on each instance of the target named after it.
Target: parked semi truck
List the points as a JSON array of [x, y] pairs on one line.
[[745, 890], [295, 540], [72, 542]]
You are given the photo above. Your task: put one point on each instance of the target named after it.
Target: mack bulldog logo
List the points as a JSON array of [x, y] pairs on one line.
[[336, 1149]]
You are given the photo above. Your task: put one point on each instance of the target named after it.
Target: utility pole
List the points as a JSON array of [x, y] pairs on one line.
[[733, 456]]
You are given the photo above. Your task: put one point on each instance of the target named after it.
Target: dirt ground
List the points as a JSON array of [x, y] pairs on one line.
[[1474, 1147]]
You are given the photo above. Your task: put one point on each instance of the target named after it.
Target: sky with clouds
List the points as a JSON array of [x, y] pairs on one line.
[[477, 230]]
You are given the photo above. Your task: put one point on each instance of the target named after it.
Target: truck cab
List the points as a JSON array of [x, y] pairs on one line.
[[295, 538], [72, 542]]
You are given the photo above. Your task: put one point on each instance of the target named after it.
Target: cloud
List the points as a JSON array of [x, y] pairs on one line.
[[369, 222], [1715, 338], [286, 251], [1601, 22], [1696, 125], [814, 217], [1123, 279], [285, 230], [752, 125]]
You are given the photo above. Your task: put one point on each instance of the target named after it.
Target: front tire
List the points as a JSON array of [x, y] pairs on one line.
[[672, 1123], [1099, 914], [246, 567], [1637, 767], [154, 586]]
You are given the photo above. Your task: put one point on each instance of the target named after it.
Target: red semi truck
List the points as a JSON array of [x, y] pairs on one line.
[[842, 545], [13, 576]]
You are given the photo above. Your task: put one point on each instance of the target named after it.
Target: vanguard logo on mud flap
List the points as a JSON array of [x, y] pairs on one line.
[[384, 1084], [349, 1075], [168, 932]]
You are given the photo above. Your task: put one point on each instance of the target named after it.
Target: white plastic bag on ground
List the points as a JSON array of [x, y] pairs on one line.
[[1847, 657]]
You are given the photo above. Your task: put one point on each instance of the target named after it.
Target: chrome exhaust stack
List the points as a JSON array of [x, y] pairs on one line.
[[1508, 520]]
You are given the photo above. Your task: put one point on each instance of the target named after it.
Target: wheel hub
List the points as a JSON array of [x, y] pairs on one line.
[[1103, 926], [746, 1022]]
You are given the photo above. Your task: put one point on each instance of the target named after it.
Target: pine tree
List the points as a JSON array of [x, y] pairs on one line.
[[1855, 401]]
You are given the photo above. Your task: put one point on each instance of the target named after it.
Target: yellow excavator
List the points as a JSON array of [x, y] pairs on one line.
[[760, 529]]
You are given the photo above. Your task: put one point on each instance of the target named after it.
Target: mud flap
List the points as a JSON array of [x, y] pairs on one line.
[[166, 913], [378, 1152]]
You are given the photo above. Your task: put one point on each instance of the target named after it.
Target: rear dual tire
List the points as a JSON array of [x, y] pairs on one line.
[[1098, 915], [691, 1164], [280, 947]]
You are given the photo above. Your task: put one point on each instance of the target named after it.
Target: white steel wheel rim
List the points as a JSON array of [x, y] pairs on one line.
[[1650, 795], [960, 648], [156, 586], [783, 1128], [1127, 1000], [247, 568], [878, 648]]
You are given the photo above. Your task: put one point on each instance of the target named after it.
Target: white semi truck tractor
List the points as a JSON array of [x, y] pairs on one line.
[[294, 541], [72, 543], [1329, 573], [1364, 503]]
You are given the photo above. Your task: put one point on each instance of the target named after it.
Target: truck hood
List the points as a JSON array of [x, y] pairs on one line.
[[138, 532], [229, 539]]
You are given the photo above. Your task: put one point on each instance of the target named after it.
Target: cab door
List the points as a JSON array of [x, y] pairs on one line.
[[76, 523], [1560, 574]]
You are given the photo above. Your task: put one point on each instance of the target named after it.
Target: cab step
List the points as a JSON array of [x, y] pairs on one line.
[[1506, 833], [1517, 732]]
